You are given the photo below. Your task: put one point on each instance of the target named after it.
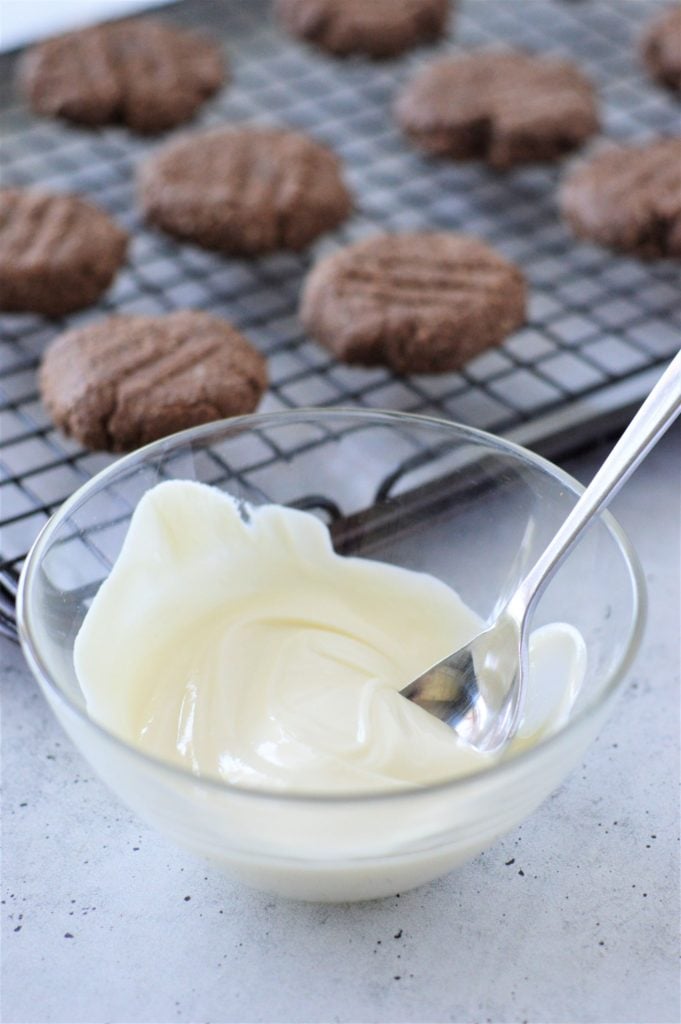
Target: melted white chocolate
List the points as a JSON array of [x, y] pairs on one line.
[[234, 641]]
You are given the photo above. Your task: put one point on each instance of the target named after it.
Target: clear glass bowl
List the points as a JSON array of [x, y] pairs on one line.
[[429, 495]]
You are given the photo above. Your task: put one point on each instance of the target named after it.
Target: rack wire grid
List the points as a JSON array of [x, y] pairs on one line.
[[600, 326]]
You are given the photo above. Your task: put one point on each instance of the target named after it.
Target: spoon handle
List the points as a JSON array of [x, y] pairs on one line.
[[657, 413]]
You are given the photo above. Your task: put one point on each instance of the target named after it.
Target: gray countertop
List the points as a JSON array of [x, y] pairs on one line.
[[573, 917]]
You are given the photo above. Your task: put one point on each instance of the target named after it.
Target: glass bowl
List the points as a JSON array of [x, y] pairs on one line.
[[426, 494]]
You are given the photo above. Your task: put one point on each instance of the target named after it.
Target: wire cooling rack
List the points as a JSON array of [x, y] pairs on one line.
[[600, 327]]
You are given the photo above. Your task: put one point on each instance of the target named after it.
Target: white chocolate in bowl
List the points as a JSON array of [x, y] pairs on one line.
[[235, 642]]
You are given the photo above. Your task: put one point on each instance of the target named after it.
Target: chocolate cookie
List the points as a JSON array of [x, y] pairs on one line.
[[143, 73], [661, 48], [504, 107], [244, 191], [380, 28], [424, 302], [57, 252], [127, 380], [628, 198]]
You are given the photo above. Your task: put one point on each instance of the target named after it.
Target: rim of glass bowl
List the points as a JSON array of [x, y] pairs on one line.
[[33, 656]]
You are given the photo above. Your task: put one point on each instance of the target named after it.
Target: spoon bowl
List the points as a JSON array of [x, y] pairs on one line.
[[476, 689]]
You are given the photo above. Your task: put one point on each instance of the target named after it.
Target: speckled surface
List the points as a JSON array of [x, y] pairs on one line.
[[573, 917]]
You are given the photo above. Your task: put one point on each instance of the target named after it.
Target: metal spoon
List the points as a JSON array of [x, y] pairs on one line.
[[497, 657]]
